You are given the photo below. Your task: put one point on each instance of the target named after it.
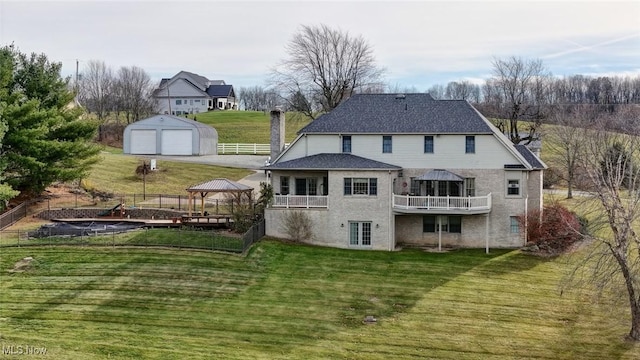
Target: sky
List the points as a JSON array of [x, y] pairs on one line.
[[418, 43]]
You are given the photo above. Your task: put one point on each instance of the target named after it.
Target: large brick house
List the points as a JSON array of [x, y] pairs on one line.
[[383, 170]]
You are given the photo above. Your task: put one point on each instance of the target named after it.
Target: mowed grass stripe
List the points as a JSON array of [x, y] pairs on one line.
[[291, 302], [472, 323]]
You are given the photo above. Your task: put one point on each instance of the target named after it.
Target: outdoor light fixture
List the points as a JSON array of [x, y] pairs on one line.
[[341, 225], [377, 226]]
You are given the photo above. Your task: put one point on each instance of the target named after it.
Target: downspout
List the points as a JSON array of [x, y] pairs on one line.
[[439, 233], [486, 232], [526, 211], [391, 228]]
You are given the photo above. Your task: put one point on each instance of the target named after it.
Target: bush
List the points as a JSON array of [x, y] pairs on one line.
[[297, 225], [554, 230]]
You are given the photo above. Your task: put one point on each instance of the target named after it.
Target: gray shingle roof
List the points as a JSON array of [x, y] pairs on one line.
[[219, 90], [530, 157], [331, 161], [395, 114], [201, 80]]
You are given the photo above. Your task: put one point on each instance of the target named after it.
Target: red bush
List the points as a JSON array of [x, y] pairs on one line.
[[553, 231]]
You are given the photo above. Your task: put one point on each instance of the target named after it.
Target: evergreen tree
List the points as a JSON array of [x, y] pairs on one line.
[[46, 140]]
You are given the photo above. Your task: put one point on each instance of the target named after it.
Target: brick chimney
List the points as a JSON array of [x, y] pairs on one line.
[[277, 133]]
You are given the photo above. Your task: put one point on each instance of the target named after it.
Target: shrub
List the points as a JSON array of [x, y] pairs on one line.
[[297, 225], [265, 199], [242, 219], [554, 230]]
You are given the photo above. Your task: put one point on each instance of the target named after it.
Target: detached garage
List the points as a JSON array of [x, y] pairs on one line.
[[169, 135]]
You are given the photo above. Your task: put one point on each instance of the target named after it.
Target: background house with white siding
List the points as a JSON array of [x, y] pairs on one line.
[[189, 93], [382, 170]]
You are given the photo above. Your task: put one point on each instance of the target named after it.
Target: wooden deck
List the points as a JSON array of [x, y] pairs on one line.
[[201, 221], [207, 220]]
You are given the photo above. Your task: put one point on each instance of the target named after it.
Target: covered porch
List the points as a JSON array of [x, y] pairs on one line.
[[441, 191]]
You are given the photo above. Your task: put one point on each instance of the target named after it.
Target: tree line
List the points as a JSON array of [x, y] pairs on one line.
[[127, 91]]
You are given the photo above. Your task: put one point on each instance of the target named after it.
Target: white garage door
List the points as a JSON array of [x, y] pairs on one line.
[[143, 142], [177, 142]]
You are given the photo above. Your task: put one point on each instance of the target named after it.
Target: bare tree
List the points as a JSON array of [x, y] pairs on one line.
[[462, 90], [437, 92], [133, 89], [326, 66], [611, 164], [258, 98], [518, 89], [96, 88], [398, 89], [565, 144]]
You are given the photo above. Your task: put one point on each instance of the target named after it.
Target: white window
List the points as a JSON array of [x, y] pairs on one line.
[[470, 186], [361, 186], [387, 144], [284, 185], [513, 187], [514, 225], [360, 233]]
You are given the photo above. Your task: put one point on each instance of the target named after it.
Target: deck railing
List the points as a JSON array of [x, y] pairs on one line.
[[409, 202], [300, 201]]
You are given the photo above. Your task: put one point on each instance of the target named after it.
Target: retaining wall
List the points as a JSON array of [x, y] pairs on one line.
[[93, 213]]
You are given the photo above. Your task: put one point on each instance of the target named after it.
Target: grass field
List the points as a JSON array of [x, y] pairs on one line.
[[117, 173], [287, 301], [249, 126]]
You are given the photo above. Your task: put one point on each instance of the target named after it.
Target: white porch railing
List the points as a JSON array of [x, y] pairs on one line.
[[408, 202], [300, 201]]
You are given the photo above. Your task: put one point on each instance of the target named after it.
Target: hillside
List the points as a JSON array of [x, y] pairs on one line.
[[248, 126]]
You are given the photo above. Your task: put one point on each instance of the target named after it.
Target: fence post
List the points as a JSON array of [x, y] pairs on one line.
[[76, 195], [160, 200]]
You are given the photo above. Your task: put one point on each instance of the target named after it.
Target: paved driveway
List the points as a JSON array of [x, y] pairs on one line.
[[253, 162]]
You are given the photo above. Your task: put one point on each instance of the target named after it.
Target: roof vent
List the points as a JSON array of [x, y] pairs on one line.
[[400, 96]]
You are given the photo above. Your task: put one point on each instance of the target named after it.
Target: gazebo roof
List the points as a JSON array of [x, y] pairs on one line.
[[220, 185]]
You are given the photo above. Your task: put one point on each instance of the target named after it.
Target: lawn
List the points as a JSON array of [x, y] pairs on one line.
[[116, 173], [285, 301], [251, 127]]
